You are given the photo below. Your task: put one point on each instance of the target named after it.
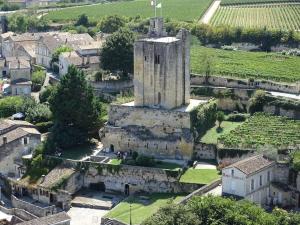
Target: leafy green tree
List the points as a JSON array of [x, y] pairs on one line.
[[83, 20], [58, 51], [38, 78], [173, 215], [10, 105], [117, 52], [257, 101], [39, 113], [74, 108], [220, 116], [110, 24], [46, 93], [81, 29]]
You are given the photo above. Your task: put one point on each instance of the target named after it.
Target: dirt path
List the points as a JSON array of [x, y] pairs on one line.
[[210, 12]]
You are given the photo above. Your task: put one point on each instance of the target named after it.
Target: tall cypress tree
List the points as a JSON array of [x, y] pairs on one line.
[[74, 109]]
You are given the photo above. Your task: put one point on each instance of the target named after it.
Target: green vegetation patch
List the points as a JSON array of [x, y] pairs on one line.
[[239, 2], [142, 207], [212, 135], [78, 152], [279, 16], [242, 64], [296, 161], [263, 129], [200, 176], [189, 10]]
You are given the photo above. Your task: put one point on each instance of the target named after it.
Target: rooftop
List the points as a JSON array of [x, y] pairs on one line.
[[19, 64], [55, 176], [252, 164], [186, 108], [161, 39]]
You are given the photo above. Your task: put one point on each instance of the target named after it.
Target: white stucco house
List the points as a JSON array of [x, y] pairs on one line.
[[249, 179]]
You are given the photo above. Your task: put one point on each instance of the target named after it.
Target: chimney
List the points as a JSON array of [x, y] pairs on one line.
[[43, 178], [4, 140]]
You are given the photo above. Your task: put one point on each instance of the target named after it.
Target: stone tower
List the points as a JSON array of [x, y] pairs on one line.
[[162, 68]]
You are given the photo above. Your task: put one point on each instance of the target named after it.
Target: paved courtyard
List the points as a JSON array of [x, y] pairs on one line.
[[86, 216]]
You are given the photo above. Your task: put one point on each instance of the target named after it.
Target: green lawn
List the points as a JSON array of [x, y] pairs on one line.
[[168, 165], [199, 176], [187, 10], [115, 161], [79, 152], [141, 209], [242, 64], [212, 135]]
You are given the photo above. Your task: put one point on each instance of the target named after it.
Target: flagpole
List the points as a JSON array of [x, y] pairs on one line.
[[155, 7], [161, 9]]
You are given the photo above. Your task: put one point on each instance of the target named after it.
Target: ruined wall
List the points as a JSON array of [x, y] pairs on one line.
[[205, 151], [240, 83], [156, 132], [112, 86], [278, 111], [139, 179], [282, 173], [31, 208]]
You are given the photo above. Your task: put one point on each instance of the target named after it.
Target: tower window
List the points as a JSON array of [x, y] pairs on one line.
[[157, 59]]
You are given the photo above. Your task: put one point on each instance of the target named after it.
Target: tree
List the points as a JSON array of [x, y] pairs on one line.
[[83, 20], [10, 105], [110, 24], [46, 93], [74, 108], [39, 113], [38, 78], [117, 52], [220, 117], [57, 52]]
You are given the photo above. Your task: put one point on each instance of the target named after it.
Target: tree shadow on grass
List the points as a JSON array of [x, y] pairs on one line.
[[219, 129]]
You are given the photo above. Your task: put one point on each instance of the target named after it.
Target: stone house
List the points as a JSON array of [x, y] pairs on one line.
[[14, 45], [44, 50], [86, 63], [17, 139], [250, 179], [20, 76]]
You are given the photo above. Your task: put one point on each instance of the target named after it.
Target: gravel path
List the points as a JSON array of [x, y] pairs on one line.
[[210, 12]]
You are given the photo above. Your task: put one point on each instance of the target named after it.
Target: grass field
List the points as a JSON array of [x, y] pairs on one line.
[[242, 64], [199, 176], [239, 2], [279, 16], [212, 135], [263, 129], [141, 207], [187, 10]]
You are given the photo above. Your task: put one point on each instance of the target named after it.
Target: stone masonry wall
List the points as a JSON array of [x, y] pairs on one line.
[[156, 132], [240, 83], [34, 209], [205, 151], [145, 179]]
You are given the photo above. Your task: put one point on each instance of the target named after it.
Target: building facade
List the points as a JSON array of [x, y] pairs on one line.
[[250, 179], [17, 139]]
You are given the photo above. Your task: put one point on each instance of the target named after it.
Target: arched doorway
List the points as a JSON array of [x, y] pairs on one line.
[[126, 190], [112, 148]]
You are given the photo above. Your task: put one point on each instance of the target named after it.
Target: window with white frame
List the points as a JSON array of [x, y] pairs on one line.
[[269, 176], [25, 140]]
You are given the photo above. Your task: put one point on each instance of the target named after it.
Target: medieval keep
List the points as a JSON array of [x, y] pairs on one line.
[[157, 122]]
